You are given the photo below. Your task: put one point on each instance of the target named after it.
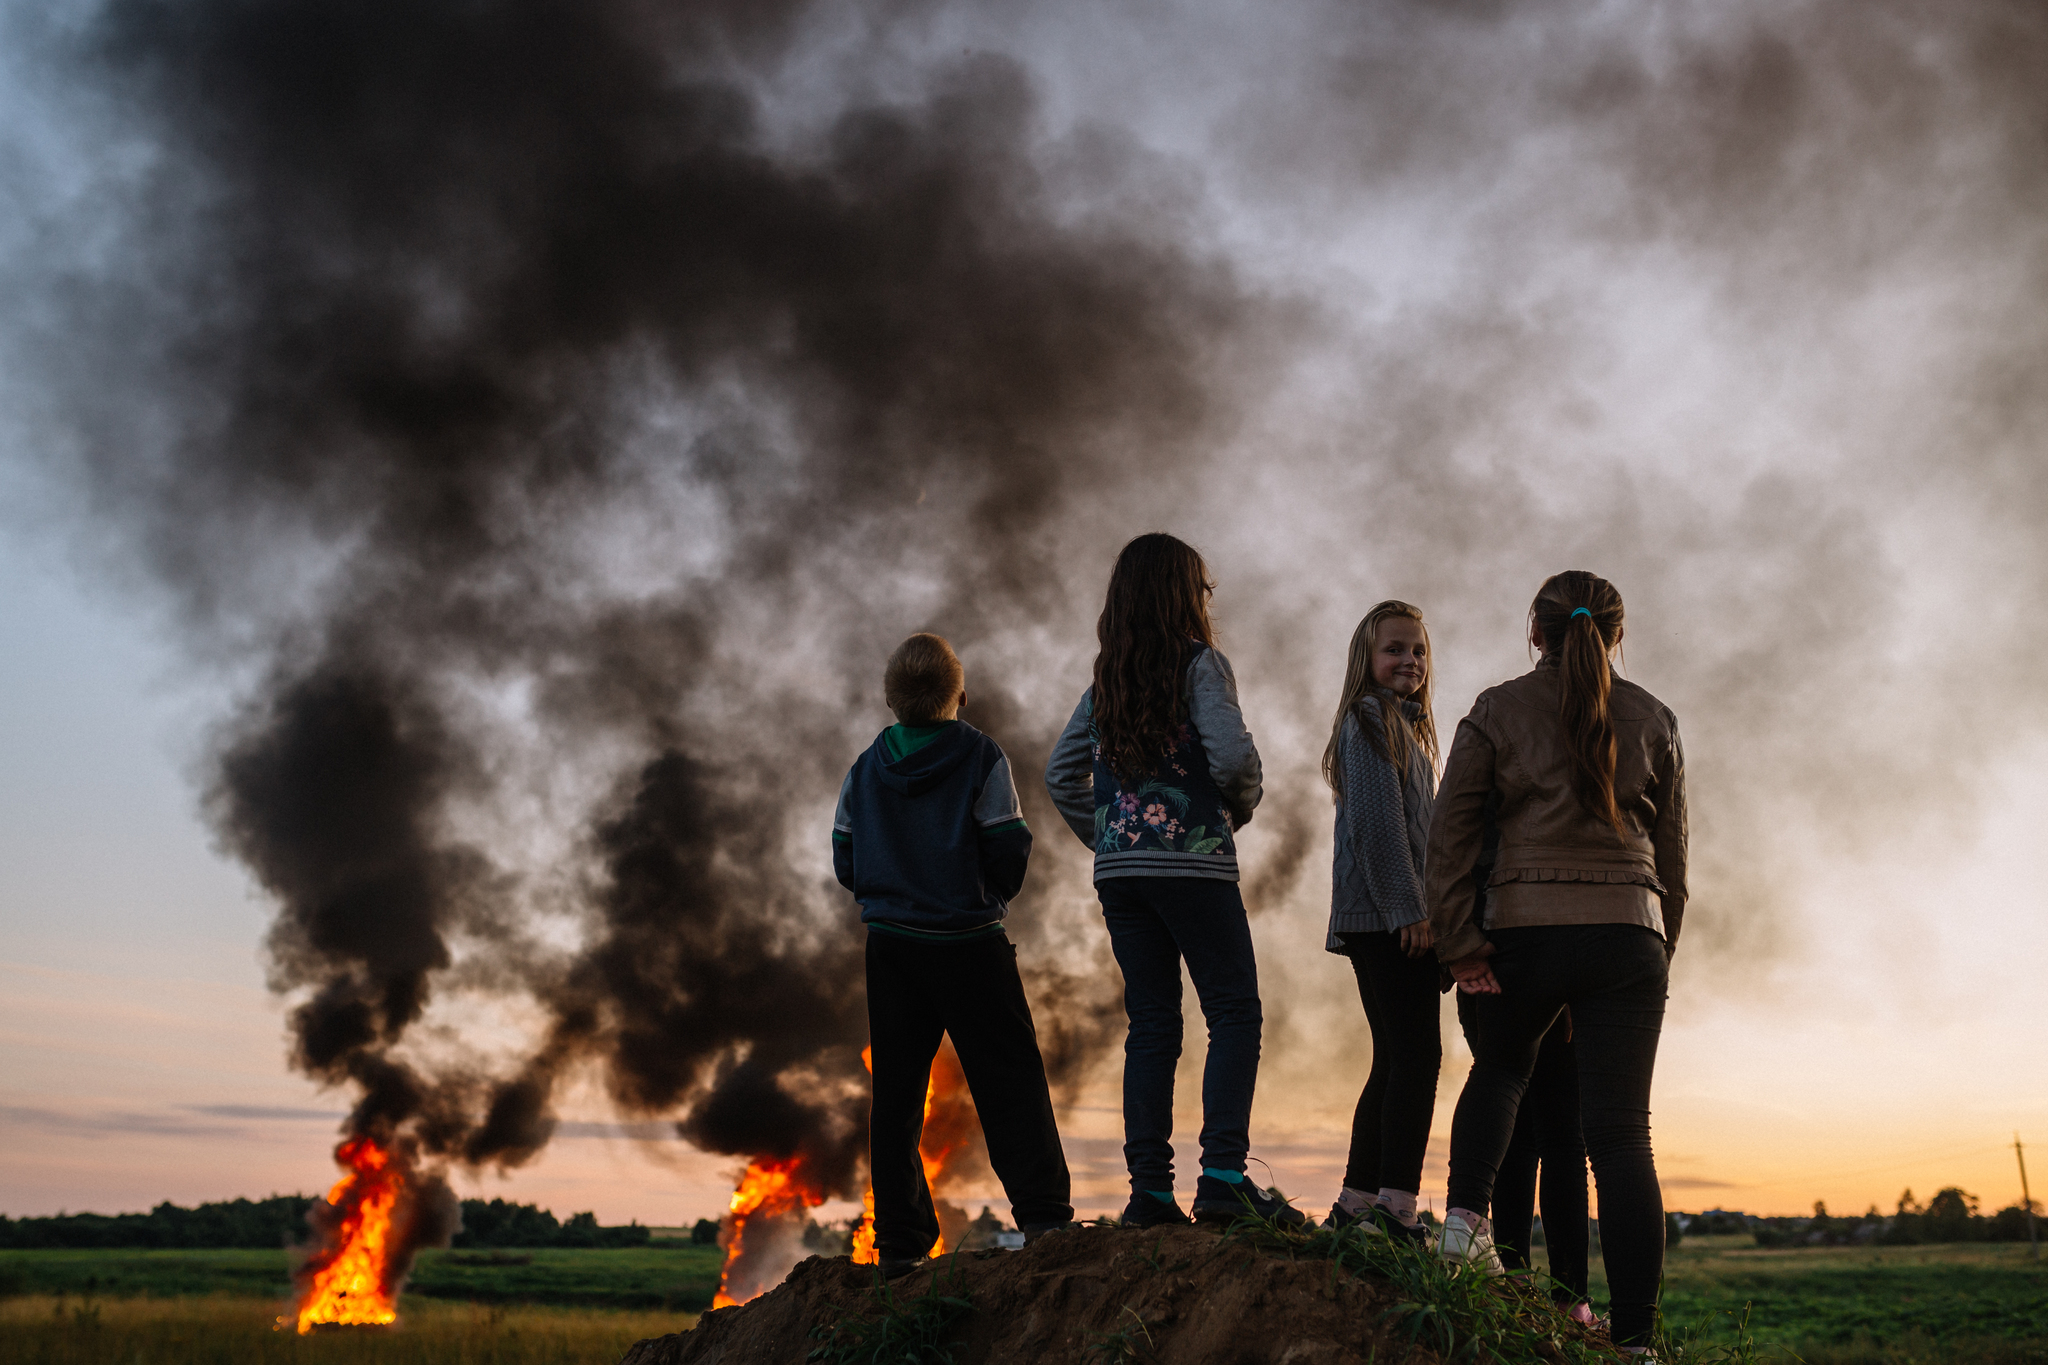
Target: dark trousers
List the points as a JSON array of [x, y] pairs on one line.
[[1390, 1127], [1613, 978], [916, 993], [1156, 923], [1549, 1139]]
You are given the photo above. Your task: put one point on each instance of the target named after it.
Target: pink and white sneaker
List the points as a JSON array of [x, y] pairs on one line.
[[1469, 1237]]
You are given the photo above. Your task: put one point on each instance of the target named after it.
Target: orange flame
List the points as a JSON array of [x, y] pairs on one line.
[[769, 1189], [346, 1281], [864, 1252], [779, 1188], [951, 1130]]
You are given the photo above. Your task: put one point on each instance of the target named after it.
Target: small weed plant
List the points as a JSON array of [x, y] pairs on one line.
[[1122, 1347], [1453, 1308], [1696, 1344], [1466, 1316], [905, 1331]]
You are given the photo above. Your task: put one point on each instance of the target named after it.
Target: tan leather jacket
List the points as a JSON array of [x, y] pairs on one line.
[[1508, 769]]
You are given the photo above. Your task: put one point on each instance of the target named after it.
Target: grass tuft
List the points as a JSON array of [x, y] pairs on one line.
[[1121, 1346], [1453, 1308], [903, 1332]]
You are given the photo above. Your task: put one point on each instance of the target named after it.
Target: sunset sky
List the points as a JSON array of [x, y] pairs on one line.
[[1745, 310]]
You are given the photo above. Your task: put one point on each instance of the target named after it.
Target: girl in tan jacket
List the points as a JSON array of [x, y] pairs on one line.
[[1581, 778]]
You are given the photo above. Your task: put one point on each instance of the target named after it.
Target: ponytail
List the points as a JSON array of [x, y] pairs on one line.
[[1579, 615]]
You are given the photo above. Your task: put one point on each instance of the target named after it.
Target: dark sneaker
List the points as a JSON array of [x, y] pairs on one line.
[[1150, 1211], [1217, 1201], [895, 1267], [1033, 1231], [1363, 1220], [1390, 1223]]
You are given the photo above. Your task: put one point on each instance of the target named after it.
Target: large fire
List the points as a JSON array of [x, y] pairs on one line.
[[951, 1130], [775, 1189], [773, 1198], [348, 1281]]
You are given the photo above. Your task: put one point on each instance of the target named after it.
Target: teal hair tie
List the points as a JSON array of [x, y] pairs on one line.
[[1581, 612]]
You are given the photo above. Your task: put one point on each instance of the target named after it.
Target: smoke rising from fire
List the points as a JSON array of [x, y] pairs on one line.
[[548, 416], [511, 339]]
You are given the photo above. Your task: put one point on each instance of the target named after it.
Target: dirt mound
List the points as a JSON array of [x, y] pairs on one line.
[[1169, 1295]]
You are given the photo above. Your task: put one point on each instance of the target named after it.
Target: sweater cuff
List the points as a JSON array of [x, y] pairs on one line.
[[1465, 942]]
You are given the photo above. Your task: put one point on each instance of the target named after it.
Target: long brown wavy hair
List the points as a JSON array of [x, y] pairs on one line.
[[1389, 739], [1154, 618], [1579, 616]]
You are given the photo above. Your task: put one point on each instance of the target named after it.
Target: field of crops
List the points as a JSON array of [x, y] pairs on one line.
[[679, 1279], [1928, 1305], [42, 1330], [1966, 1302]]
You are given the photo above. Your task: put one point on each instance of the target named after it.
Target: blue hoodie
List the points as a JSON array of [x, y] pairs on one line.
[[928, 835]]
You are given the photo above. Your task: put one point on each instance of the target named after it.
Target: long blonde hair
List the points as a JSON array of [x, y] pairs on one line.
[[1389, 739]]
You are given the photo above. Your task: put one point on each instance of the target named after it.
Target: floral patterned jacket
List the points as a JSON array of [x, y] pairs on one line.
[[1181, 820]]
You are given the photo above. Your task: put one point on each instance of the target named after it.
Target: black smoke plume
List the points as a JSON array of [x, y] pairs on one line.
[[599, 434]]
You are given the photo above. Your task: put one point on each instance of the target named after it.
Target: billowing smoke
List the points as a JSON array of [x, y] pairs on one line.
[[604, 438], [549, 415]]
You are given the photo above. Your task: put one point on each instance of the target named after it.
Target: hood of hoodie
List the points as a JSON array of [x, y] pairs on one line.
[[917, 773]]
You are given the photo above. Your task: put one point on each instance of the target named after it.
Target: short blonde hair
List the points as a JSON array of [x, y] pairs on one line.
[[924, 677]]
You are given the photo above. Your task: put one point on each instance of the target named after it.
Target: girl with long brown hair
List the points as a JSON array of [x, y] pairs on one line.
[[1156, 773], [1381, 767], [1578, 778]]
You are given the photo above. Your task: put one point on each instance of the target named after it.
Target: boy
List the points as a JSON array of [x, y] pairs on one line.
[[929, 839]]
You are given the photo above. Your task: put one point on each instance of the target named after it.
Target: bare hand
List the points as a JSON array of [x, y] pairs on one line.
[[1417, 939], [1486, 983], [1473, 975]]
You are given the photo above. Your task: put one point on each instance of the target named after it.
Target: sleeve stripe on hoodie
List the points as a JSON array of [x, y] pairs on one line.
[[842, 818], [997, 807]]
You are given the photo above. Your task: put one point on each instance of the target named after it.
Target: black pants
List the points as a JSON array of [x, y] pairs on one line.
[[916, 993], [1549, 1139], [1154, 924], [1390, 1127], [1613, 977]]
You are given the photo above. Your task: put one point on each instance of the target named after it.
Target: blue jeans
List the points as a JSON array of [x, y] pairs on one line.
[[1154, 924]]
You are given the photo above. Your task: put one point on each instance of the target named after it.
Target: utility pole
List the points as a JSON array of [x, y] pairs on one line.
[[2033, 1237]]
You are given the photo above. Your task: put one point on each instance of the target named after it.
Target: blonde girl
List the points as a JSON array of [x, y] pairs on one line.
[[1381, 767]]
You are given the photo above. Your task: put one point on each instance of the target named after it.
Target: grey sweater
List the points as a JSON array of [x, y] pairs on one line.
[[1226, 783], [1382, 832]]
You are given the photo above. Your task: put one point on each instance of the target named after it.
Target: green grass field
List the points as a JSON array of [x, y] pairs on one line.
[[1971, 1302], [39, 1329], [1984, 1304], [680, 1279]]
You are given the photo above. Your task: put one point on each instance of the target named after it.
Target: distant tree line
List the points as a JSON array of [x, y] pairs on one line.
[[502, 1224], [281, 1221], [1950, 1216], [276, 1221]]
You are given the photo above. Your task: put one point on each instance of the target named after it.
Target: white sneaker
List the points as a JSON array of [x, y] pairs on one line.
[[1466, 1237]]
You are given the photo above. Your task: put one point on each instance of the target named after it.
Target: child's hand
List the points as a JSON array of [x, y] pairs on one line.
[[1472, 974], [1417, 939], [1483, 984]]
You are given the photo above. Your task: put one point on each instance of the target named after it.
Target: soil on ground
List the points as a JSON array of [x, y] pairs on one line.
[[1173, 1296]]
